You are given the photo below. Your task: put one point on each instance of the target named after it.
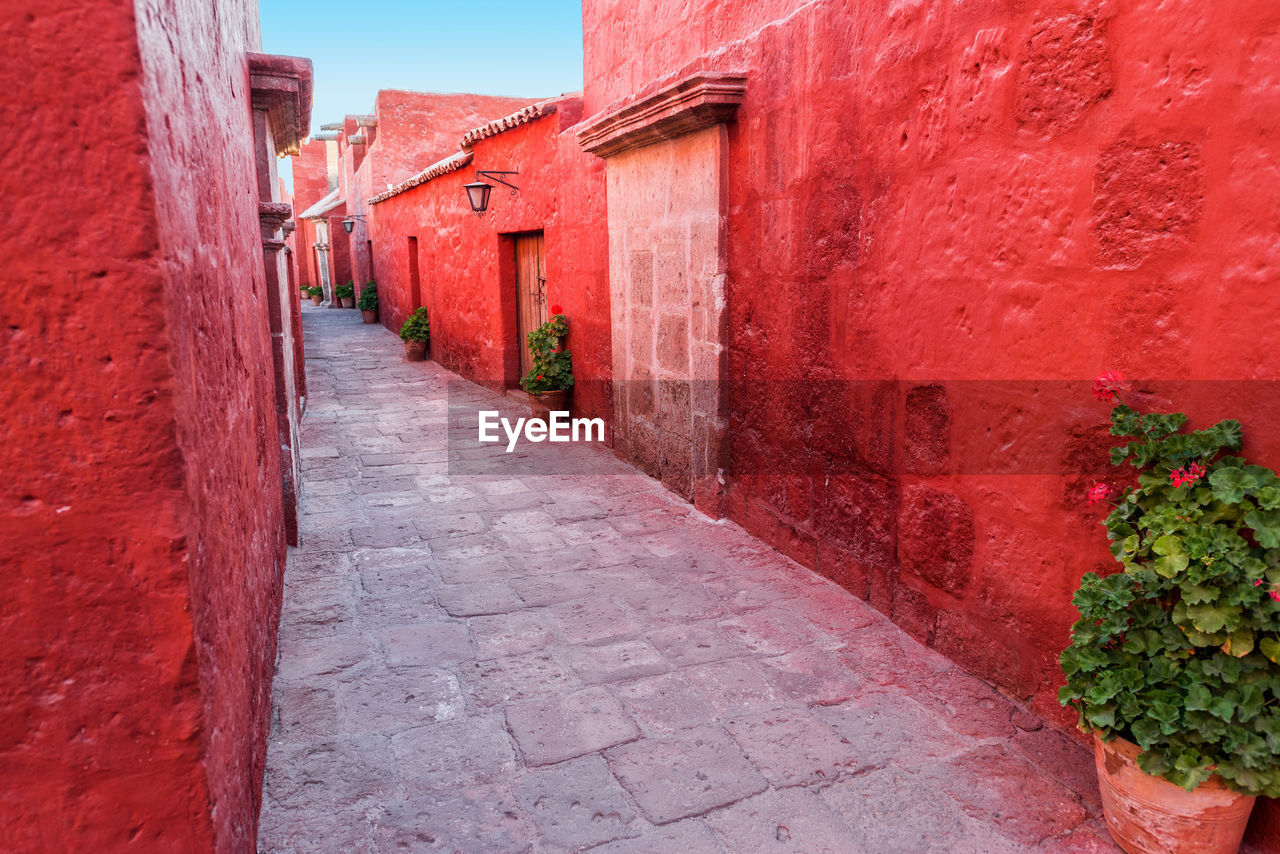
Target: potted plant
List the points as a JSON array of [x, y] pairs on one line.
[[368, 303], [415, 333], [1173, 663], [304, 293], [551, 376], [346, 294], [317, 294]]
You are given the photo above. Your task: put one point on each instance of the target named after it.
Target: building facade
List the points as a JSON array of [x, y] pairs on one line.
[[150, 399]]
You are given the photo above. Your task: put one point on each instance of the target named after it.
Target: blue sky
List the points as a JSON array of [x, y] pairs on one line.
[[491, 47]]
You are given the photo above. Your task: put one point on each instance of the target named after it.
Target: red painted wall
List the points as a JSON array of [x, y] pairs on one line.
[[466, 266], [929, 200], [415, 129], [140, 515], [310, 185]]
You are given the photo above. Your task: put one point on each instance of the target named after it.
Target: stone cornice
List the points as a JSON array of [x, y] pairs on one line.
[[281, 85], [696, 102], [274, 213]]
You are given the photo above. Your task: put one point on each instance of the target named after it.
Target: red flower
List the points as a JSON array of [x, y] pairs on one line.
[[1099, 492], [555, 309], [1108, 384], [1190, 474], [539, 376], [1275, 594], [1258, 583]]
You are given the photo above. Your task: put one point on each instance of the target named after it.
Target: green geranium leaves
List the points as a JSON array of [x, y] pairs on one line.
[[1172, 559], [1266, 527], [1180, 649]]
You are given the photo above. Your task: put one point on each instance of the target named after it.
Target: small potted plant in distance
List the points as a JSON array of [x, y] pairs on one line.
[[551, 376], [346, 294], [1173, 663], [368, 304], [317, 294], [304, 293], [415, 333]]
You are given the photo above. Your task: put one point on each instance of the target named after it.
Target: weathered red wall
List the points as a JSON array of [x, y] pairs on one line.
[[415, 129], [340, 249], [310, 185], [929, 197], [310, 181], [140, 513], [465, 267]]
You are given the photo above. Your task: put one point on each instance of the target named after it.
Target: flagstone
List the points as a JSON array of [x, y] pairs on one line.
[[560, 655]]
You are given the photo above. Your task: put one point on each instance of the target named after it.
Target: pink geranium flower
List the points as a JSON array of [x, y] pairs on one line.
[[1099, 492], [1108, 384], [1190, 474]]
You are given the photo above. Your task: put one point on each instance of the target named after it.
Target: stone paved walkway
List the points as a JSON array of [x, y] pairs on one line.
[[483, 663]]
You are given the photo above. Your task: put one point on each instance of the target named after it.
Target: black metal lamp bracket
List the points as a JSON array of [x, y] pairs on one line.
[[493, 176]]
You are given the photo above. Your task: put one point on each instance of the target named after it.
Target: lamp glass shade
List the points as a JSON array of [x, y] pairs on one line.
[[348, 225], [478, 195]]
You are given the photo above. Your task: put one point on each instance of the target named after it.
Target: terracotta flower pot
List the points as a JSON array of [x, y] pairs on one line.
[[542, 405], [1150, 815], [370, 315], [348, 302], [317, 300], [415, 351]]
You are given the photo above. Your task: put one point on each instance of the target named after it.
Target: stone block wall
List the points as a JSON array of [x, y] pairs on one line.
[[666, 273]]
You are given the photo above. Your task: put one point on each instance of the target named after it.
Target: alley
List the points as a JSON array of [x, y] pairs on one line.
[[555, 662]]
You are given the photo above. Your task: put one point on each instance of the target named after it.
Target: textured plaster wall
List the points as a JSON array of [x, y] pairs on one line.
[[415, 129], [466, 266], [95, 610], [943, 219], [310, 185], [140, 518], [195, 85]]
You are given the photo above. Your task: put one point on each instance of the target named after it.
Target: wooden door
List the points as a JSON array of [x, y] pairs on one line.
[[531, 291]]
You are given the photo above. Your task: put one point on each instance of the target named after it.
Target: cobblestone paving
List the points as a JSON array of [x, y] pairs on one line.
[[574, 662]]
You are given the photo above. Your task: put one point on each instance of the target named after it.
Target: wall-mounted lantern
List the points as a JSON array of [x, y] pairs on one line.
[[478, 191], [348, 224]]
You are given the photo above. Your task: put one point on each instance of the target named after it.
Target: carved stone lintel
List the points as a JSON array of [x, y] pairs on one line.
[[272, 244], [694, 103], [281, 85]]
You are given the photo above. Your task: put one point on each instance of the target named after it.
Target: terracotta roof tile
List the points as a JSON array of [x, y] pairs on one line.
[[506, 123], [452, 163]]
